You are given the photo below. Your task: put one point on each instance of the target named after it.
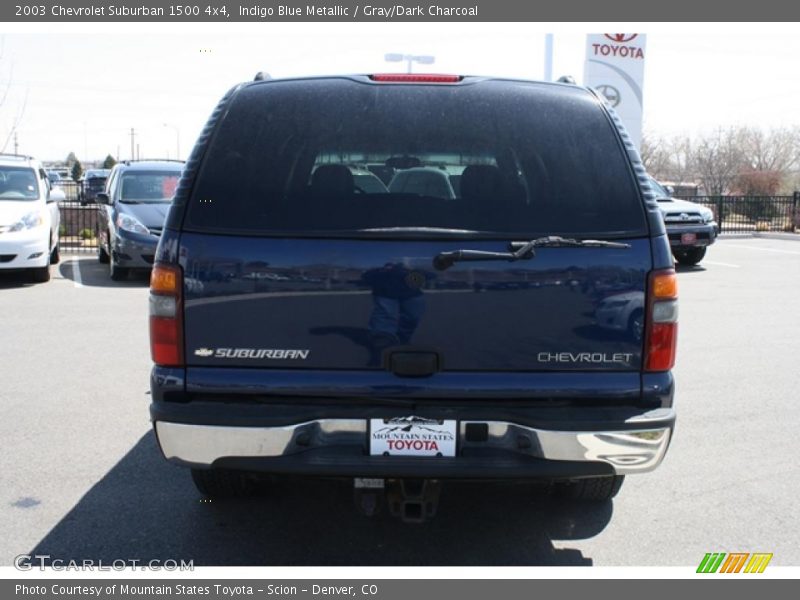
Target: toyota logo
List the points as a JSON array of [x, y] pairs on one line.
[[620, 38], [611, 94]]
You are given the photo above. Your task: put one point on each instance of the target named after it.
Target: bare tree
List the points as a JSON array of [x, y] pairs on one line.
[[718, 158], [758, 183], [742, 160], [774, 150], [655, 155], [682, 167], [770, 158], [668, 159]]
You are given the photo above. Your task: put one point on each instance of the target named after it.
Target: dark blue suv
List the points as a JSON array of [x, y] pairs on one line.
[[301, 324], [132, 212]]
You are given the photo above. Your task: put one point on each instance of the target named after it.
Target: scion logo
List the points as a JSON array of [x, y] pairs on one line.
[[621, 38], [253, 353]]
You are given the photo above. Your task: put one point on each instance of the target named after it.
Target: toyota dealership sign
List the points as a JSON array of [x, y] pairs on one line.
[[615, 68]]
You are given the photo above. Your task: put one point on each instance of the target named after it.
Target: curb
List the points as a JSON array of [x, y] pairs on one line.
[[762, 234]]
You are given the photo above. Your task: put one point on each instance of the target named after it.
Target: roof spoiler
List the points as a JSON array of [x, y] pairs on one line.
[[135, 160]]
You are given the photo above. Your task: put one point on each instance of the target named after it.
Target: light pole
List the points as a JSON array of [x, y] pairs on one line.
[[410, 59], [177, 139], [548, 57]]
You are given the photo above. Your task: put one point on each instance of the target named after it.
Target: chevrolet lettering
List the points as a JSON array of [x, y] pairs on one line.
[[584, 357]]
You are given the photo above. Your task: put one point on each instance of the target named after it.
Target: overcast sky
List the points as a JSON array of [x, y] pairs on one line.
[[82, 91]]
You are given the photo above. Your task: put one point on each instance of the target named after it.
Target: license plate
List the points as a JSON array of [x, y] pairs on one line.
[[412, 436], [688, 238]]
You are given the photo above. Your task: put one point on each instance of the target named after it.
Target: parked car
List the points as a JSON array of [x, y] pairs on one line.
[[415, 347], [690, 227], [423, 181], [29, 217], [93, 182], [131, 218], [367, 182], [54, 178]]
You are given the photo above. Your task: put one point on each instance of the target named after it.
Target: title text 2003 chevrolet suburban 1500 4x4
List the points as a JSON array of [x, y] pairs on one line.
[[445, 328]]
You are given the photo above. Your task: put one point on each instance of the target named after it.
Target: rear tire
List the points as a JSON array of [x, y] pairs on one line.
[[223, 483], [102, 255], [590, 489], [691, 256]]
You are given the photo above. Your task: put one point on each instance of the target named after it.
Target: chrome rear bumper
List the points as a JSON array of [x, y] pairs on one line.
[[637, 448]]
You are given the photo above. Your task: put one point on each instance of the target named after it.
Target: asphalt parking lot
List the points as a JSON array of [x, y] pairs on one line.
[[83, 479]]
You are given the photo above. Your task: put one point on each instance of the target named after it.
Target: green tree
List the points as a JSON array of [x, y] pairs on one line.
[[77, 170], [109, 162], [71, 159]]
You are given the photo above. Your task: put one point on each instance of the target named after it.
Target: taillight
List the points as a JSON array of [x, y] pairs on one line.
[[415, 78], [661, 337], [166, 335]]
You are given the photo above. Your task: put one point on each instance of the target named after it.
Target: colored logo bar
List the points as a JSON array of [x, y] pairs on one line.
[[734, 562]]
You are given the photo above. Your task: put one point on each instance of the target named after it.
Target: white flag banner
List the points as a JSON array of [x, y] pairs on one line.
[[615, 68]]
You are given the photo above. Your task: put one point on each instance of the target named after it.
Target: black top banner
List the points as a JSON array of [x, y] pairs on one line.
[[619, 11]]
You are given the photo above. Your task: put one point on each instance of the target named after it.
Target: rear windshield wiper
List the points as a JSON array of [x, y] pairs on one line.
[[519, 250]]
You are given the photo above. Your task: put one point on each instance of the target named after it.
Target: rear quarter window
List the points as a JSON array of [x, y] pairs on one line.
[[493, 157]]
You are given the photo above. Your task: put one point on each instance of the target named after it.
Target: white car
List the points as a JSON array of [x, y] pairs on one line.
[[29, 217]]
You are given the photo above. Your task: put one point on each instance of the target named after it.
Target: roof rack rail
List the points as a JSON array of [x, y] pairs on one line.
[[128, 161], [12, 155]]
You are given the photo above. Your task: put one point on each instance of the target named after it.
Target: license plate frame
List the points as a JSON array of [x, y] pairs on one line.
[[413, 437]]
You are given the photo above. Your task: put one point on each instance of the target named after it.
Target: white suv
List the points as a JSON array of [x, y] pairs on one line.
[[29, 217]]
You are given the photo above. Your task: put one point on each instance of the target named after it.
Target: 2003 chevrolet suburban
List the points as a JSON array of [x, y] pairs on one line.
[[454, 326]]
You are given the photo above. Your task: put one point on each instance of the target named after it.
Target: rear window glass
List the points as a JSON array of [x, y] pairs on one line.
[[489, 157], [148, 186]]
